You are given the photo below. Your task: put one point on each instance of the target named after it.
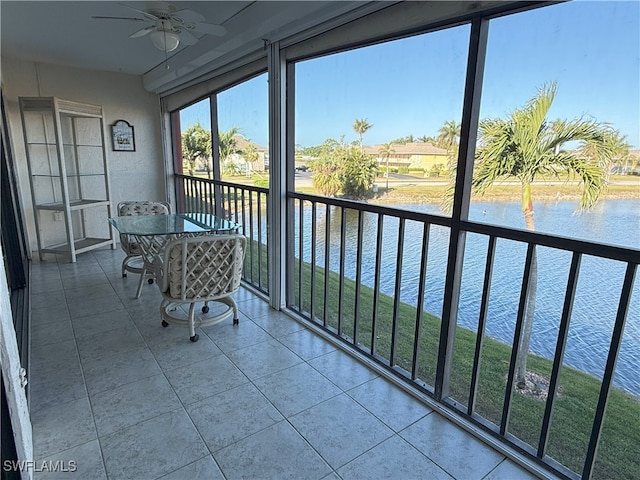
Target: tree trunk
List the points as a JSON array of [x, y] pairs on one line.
[[530, 304], [387, 174]]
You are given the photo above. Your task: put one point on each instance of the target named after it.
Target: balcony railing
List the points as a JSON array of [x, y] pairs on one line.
[[375, 278], [243, 204]]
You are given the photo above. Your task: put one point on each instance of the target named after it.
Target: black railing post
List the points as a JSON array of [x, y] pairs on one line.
[[397, 290], [482, 320], [376, 283], [417, 338], [314, 240], [343, 230], [356, 313], [609, 370], [563, 333], [517, 335]]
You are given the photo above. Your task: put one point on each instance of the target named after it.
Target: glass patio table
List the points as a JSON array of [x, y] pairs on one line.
[[172, 224], [153, 232]]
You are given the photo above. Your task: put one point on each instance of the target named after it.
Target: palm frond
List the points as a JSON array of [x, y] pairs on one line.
[[530, 123], [527, 146], [592, 176]]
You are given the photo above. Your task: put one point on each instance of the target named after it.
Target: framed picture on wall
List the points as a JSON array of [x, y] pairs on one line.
[[122, 137]]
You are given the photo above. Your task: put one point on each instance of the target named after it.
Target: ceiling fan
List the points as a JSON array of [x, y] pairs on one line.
[[169, 26]]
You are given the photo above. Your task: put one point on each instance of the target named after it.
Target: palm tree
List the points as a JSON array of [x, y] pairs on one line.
[[618, 145], [386, 151], [358, 172], [326, 168], [527, 146], [250, 154], [404, 140], [227, 147], [360, 126], [426, 139], [448, 135], [196, 144]]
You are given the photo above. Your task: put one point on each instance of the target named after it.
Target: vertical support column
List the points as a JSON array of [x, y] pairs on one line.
[[215, 155], [462, 195], [278, 165], [172, 154], [289, 85]]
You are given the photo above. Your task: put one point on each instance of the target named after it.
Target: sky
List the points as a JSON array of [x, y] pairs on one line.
[[413, 85]]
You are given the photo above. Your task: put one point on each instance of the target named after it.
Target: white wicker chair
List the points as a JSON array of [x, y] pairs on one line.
[[128, 244], [205, 268]]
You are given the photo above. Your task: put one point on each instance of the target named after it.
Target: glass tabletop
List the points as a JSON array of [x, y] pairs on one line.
[[172, 224]]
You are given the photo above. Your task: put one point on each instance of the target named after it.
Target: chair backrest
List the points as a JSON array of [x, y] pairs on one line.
[[139, 207], [143, 207], [203, 267]]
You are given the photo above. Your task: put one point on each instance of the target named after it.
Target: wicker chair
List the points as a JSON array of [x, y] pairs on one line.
[[205, 268], [129, 245]]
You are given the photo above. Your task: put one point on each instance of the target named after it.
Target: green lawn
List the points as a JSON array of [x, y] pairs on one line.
[[619, 451]]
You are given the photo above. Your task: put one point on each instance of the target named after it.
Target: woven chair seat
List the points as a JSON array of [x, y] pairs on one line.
[[205, 268], [128, 243]]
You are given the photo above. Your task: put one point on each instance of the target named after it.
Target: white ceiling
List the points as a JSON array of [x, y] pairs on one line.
[[65, 33]]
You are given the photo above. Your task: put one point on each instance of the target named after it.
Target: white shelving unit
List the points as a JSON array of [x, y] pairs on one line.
[[68, 174]]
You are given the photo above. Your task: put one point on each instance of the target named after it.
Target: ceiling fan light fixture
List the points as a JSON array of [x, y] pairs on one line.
[[164, 40]]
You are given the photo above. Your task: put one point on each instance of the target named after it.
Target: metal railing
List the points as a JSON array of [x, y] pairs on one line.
[[375, 278], [245, 205], [365, 274]]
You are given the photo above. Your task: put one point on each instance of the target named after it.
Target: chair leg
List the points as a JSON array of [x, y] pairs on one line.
[[141, 282], [233, 305], [163, 306], [125, 264], [193, 336]]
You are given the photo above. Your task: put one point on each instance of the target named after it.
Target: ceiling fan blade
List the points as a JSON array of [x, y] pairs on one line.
[[143, 32], [188, 15], [210, 29], [119, 18], [187, 37], [150, 16]]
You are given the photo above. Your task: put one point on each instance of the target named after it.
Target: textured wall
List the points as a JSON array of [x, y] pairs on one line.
[[133, 175]]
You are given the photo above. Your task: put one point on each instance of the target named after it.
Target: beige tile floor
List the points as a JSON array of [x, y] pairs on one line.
[[266, 399]]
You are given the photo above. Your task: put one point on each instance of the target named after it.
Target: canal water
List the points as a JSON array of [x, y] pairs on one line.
[[615, 222]]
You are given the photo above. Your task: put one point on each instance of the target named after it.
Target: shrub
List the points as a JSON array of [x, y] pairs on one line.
[[342, 167], [358, 174]]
